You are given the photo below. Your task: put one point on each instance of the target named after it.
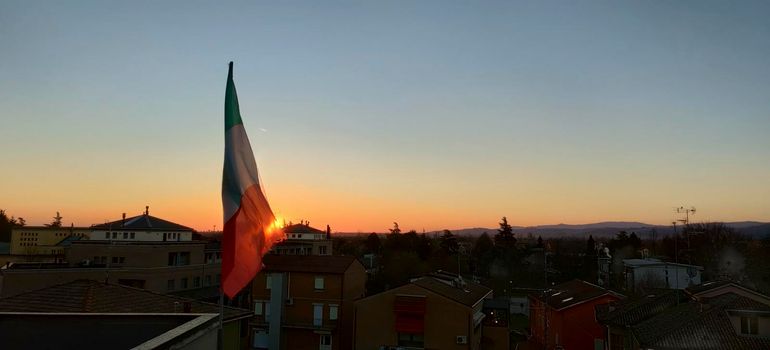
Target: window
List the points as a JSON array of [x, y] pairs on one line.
[[184, 283], [115, 260], [196, 282], [267, 309], [318, 314], [322, 250], [125, 235], [114, 235], [179, 259], [319, 283], [133, 234], [106, 235], [268, 281], [326, 342], [170, 285], [749, 325], [258, 307], [333, 312], [208, 280]]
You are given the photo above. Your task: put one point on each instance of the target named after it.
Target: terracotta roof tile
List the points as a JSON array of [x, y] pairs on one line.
[[97, 297]]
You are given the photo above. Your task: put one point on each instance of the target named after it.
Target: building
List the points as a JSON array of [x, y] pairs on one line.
[[90, 314], [306, 302], [618, 318], [43, 243], [563, 316], [437, 311], [301, 239], [715, 315], [163, 267], [653, 273], [141, 228], [138, 256], [496, 324]]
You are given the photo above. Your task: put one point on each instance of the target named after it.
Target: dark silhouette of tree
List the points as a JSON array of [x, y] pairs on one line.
[[6, 224], [482, 246], [56, 221], [482, 255], [504, 236], [373, 244], [539, 241], [634, 241], [395, 230], [448, 243], [423, 247], [590, 245]]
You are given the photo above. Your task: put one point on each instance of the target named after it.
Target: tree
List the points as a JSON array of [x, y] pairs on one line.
[[483, 246], [482, 254], [540, 241], [448, 243], [395, 230], [6, 224], [423, 247], [56, 221], [635, 241], [373, 244], [590, 246], [504, 236]]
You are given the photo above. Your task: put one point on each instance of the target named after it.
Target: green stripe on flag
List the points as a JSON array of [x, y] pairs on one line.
[[232, 112]]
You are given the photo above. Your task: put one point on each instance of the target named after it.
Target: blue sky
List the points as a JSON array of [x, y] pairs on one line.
[[435, 114]]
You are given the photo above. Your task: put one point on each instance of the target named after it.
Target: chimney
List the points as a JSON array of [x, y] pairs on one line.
[[146, 210], [123, 223], [328, 232]]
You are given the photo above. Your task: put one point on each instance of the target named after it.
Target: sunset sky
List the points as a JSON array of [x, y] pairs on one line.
[[435, 114]]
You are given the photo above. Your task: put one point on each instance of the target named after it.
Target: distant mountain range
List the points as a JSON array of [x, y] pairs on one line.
[[610, 229]]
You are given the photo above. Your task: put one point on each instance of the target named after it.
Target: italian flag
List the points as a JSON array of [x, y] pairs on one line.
[[248, 218]]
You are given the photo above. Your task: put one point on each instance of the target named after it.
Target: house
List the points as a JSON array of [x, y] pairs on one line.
[[618, 318], [301, 239], [436, 311], [306, 302], [714, 315], [141, 228], [649, 273], [74, 303], [563, 317]]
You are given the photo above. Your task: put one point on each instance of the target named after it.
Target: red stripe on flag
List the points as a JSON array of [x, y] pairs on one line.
[[247, 236]]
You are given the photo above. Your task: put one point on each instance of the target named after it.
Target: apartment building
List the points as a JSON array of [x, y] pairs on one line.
[[129, 251], [43, 243], [437, 311], [563, 317], [301, 239], [306, 302]]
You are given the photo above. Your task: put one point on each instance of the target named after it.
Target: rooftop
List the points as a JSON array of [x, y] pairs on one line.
[[633, 311], [301, 228], [102, 331], [465, 292], [144, 222], [571, 293], [701, 326], [654, 262], [87, 296], [308, 263]]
